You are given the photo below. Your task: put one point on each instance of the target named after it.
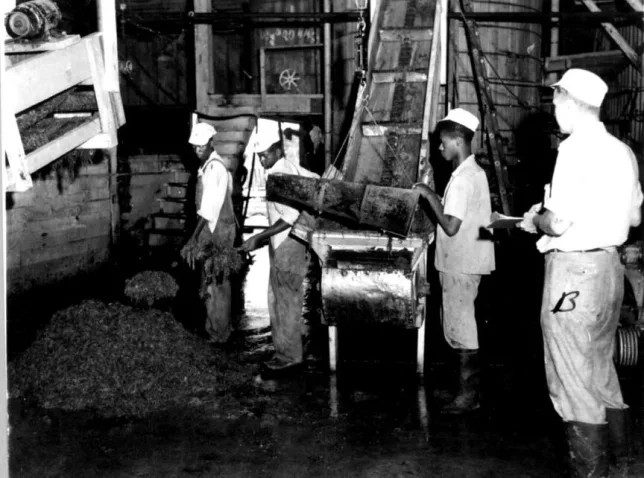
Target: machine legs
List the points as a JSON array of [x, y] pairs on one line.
[[333, 348], [420, 350]]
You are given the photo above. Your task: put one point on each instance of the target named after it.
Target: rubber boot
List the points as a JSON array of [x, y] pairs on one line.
[[587, 449], [619, 441], [467, 399], [446, 392]]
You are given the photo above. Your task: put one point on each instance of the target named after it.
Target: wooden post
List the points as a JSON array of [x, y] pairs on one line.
[[420, 350], [204, 65], [554, 36], [106, 11], [4, 411], [333, 396], [115, 213], [328, 112]]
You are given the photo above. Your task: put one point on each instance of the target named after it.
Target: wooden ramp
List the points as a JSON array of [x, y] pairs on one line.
[[398, 99]]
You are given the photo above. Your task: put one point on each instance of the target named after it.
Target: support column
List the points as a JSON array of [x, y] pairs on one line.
[[204, 65]]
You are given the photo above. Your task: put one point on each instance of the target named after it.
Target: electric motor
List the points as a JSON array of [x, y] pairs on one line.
[[33, 19]]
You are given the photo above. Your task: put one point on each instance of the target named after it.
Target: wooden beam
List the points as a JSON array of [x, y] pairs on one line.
[[55, 149], [204, 64], [400, 34], [636, 5], [106, 12], [392, 76], [103, 100], [64, 69], [382, 130], [616, 37], [430, 110], [594, 61]]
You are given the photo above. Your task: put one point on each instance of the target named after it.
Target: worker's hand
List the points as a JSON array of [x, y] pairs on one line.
[[189, 253], [250, 244], [423, 189], [528, 219]]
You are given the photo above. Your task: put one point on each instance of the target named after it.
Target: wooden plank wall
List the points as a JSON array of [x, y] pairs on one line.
[[58, 229], [158, 61], [149, 174]]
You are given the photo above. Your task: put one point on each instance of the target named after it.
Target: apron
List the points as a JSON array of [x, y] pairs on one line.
[[218, 297]]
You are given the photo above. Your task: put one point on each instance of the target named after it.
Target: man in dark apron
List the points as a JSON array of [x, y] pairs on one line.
[[217, 226]]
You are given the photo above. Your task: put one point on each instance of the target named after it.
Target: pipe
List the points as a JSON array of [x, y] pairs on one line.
[[328, 112]]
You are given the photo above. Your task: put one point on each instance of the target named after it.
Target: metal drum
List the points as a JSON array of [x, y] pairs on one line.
[[371, 278]]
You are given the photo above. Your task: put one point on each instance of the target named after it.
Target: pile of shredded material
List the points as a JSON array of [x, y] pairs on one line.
[[120, 361], [149, 288]]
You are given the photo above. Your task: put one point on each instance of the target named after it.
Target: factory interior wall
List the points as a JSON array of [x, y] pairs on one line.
[[59, 228]]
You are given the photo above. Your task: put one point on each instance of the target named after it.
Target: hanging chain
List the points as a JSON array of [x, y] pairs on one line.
[[359, 44]]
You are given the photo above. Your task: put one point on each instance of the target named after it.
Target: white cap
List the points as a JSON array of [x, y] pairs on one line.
[[265, 134], [462, 117], [583, 85], [201, 134]]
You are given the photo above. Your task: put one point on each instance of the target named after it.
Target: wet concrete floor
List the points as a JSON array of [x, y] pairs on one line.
[[375, 418]]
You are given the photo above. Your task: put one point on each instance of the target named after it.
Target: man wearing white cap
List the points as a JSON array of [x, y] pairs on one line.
[[592, 201], [462, 254], [216, 226], [289, 262]]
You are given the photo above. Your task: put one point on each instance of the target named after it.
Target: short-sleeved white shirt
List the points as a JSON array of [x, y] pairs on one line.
[[278, 211], [216, 183], [595, 186], [467, 197]]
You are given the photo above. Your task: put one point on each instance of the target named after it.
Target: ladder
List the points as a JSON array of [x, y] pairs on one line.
[[493, 138]]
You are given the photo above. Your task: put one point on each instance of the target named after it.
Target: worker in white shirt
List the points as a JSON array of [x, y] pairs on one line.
[[464, 249], [289, 264], [592, 201], [216, 224]]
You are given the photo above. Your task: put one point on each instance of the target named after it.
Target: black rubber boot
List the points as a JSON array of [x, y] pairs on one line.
[[619, 441], [587, 449], [449, 382], [467, 399]]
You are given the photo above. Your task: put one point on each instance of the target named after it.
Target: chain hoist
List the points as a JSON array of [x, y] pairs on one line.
[[360, 48]]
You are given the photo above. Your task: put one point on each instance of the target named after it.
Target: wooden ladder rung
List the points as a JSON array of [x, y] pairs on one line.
[[402, 34], [383, 128], [392, 76]]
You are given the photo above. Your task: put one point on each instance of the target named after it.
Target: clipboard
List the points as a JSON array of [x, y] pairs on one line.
[[501, 221]]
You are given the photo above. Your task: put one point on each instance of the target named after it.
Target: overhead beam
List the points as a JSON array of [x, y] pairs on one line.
[[636, 5], [616, 37], [577, 18], [596, 60]]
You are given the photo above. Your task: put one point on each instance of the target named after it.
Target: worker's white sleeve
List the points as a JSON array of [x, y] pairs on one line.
[[566, 192], [215, 187], [457, 196]]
